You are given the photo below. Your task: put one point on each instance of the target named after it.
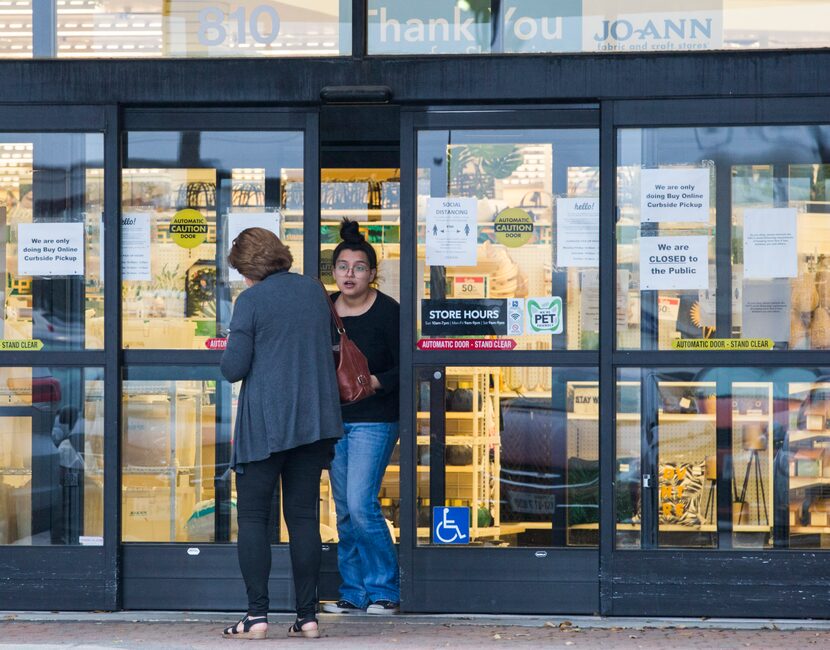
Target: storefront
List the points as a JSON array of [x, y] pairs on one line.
[[612, 255]]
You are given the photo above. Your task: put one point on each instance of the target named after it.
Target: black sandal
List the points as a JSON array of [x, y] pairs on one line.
[[296, 630], [247, 633]]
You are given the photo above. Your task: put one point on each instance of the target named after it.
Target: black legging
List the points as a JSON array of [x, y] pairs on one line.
[[300, 469]]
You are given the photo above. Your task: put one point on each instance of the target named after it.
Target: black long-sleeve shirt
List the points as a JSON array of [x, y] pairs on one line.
[[377, 334]]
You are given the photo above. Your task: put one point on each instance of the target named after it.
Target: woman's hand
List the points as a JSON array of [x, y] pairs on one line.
[[373, 381]]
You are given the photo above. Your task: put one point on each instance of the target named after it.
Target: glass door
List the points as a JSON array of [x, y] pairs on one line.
[[189, 184], [56, 443], [503, 332]]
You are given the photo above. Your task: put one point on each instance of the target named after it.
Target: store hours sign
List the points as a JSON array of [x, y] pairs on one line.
[[463, 317]]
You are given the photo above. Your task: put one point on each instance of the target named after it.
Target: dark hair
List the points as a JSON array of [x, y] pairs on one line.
[[257, 253], [353, 240]]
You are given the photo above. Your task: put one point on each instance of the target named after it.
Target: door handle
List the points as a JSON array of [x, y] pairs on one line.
[[646, 480]]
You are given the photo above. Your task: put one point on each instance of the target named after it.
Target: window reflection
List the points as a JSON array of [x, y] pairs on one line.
[[51, 208], [175, 455], [756, 434], [185, 196], [51, 456], [518, 447], [520, 242]]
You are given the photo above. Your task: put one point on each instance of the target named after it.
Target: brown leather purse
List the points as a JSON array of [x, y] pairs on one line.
[[353, 377]]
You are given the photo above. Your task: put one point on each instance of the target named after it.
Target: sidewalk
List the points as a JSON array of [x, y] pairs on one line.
[[198, 630]]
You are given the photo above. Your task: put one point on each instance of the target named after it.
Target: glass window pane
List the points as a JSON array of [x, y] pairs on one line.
[[570, 26], [518, 447], [666, 281], [371, 197], [175, 459], [51, 207], [210, 28], [185, 195], [508, 229], [16, 29], [779, 266], [628, 495], [757, 434], [685, 443], [51, 456]]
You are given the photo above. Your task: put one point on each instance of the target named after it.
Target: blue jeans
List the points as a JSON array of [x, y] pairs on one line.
[[365, 553]]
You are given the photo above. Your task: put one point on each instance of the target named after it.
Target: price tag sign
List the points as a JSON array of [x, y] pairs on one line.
[[469, 286]]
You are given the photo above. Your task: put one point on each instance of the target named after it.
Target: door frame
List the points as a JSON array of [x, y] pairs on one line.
[[440, 579], [700, 582], [166, 575], [55, 576]]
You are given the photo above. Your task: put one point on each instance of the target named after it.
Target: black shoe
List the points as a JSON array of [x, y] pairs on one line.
[[341, 607], [383, 607]]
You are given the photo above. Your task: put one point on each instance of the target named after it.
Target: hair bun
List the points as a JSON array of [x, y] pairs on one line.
[[350, 232]]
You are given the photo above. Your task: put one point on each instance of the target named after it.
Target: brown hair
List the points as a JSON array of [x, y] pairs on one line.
[[257, 253]]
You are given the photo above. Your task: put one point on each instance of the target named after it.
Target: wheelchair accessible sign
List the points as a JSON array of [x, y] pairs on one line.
[[450, 525]]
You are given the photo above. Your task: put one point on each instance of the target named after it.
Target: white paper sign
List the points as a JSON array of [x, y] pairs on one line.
[[770, 243], [451, 232], [577, 232], [671, 195], [674, 263], [50, 249], [766, 310], [135, 246], [239, 221]]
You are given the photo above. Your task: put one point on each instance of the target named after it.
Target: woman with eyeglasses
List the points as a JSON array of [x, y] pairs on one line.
[[365, 552]]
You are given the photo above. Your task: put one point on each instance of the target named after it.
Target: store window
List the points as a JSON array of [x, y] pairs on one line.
[[209, 28], [51, 211], [517, 448], [508, 239], [175, 461], [51, 456], [370, 196], [603, 26], [185, 196], [759, 434], [16, 29], [766, 186]]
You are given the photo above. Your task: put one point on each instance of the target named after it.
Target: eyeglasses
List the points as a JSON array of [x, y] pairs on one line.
[[358, 269]]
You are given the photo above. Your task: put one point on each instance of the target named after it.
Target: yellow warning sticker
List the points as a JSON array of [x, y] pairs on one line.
[[21, 344], [722, 344], [188, 228]]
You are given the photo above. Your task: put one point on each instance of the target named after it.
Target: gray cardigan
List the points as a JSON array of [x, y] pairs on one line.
[[280, 347]]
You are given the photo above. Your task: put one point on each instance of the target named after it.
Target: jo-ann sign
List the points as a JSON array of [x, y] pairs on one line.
[[722, 344]]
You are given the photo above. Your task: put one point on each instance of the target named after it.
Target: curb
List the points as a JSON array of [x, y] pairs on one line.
[[498, 620]]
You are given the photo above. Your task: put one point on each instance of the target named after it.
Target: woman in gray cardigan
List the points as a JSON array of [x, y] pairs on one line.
[[287, 421]]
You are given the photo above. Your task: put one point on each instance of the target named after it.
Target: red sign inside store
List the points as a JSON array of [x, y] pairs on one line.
[[466, 344], [216, 344]]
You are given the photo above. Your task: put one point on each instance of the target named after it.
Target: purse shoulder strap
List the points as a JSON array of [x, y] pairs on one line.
[[337, 321]]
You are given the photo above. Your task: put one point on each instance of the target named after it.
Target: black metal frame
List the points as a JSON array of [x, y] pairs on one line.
[[436, 579], [76, 577], [680, 89], [153, 574], [720, 582]]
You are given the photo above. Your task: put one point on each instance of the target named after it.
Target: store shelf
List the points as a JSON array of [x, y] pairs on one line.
[[686, 417], [666, 528], [799, 482], [800, 435], [463, 440], [750, 418], [809, 530], [453, 415], [627, 417]]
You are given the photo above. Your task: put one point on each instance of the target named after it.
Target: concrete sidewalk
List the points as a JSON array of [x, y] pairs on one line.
[[197, 630]]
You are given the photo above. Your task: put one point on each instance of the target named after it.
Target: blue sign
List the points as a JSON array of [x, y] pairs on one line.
[[450, 525]]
